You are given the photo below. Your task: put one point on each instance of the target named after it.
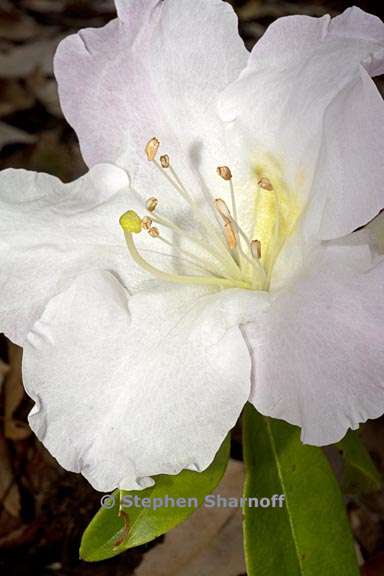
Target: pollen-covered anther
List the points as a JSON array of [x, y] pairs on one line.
[[154, 232], [230, 235], [223, 209], [256, 249], [151, 204], [164, 161], [152, 148], [265, 183], [224, 172], [146, 223]]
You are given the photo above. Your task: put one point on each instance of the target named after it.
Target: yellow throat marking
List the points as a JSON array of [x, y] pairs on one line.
[[276, 211]]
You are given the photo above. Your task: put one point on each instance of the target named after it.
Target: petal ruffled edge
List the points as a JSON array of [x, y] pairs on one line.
[[158, 378]]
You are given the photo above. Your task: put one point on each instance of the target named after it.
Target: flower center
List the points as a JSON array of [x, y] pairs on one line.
[[225, 256]]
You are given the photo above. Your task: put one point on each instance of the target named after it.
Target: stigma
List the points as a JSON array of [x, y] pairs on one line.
[[223, 255]]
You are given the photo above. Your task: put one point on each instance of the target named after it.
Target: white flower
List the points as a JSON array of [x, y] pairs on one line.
[[249, 285]]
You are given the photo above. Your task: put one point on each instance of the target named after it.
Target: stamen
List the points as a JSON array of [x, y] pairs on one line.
[[226, 255], [164, 161], [258, 271], [256, 249], [265, 183], [177, 184], [154, 232], [224, 172], [271, 255], [233, 199], [146, 223], [256, 264], [192, 258], [228, 264], [151, 204], [223, 209], [231, 231], [152, 148], [230, 235]]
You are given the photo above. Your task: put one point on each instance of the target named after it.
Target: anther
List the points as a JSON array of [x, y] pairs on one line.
[[224, 172], [164, 161], [223, 209], [265, 183], [256, 249], [230, 235], [152, 148], [154, 232], [146, 223], [151, 204]]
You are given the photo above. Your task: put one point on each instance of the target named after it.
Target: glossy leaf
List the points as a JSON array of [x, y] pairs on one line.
[[360, 473], [114, 530], [309, 535]]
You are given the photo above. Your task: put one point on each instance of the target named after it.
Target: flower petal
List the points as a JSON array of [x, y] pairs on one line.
[[156, 71], [318, 354], [50, 232], [351, 161], [127, 388], [316, 110]]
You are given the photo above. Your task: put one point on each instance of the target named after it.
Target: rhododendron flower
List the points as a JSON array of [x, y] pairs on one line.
[[235, 275]]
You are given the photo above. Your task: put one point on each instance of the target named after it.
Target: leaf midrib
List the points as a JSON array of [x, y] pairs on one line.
[[281, 478]]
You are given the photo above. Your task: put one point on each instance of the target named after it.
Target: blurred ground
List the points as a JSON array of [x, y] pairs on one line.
[[43, 509]]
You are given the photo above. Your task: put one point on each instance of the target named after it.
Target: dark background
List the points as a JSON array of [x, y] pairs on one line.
[[43, 509]]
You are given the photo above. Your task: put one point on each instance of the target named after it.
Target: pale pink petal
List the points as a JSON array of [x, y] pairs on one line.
[[156, 71]]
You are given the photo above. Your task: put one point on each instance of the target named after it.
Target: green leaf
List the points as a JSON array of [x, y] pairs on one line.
[[114, 530], [309, 535], [360, 475]]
